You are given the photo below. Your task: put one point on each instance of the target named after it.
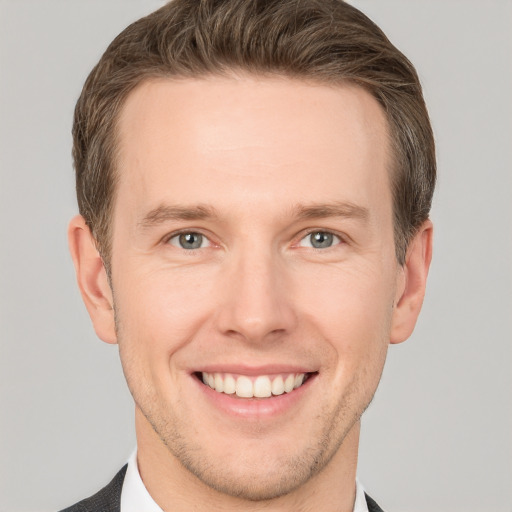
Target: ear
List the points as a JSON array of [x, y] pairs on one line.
[[413, 280], [92, 279]]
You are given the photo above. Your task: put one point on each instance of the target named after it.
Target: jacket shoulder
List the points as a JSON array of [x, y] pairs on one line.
[[106, 500]]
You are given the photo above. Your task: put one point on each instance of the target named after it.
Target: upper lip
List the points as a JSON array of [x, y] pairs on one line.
[[249, 370]]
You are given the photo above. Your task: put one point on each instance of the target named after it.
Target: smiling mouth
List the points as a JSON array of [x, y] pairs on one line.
[[261, 386]]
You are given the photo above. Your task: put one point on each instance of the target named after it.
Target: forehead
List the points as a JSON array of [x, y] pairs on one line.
[[246, 138]]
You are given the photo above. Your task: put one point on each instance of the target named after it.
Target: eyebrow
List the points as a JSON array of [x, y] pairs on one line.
[[165, 213], [336, 209]]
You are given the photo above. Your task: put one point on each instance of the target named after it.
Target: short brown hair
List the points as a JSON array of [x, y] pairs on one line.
[[326, 41]]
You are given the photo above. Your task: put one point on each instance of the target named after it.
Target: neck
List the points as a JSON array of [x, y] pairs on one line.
[[173, 487]]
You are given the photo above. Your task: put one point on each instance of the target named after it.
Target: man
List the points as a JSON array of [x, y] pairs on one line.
[[254, 182]]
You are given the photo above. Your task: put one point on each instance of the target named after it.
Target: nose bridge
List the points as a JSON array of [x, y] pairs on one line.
[[255, 303]]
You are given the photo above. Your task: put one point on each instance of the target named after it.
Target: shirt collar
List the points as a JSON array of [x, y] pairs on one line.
[[135, 497], [360, 504]]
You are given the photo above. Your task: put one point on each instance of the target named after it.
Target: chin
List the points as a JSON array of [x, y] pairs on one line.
[[256, 479], [257, 469]]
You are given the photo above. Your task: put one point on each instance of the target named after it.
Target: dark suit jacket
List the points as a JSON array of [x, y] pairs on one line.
[[109, 498]]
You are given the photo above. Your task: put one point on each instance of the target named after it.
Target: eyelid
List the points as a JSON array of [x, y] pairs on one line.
[[342, 238], [167, 238]]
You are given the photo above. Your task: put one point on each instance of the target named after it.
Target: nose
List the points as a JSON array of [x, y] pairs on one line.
[[255, 302]]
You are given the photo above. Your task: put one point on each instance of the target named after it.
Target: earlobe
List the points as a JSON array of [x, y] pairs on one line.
[[414, 278], [92, 279]]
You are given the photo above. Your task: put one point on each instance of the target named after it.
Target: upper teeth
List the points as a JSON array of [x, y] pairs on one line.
[[261, 386]]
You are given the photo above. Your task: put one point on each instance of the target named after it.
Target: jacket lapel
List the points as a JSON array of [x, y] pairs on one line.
[[372, 505], [109, 498], [106, 500]]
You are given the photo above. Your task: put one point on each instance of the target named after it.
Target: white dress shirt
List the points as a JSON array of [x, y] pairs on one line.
[[135, 497]]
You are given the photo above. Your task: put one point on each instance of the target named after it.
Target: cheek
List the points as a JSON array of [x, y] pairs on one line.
[[159, 312], [353, 311], [348, 298], [167, 294]]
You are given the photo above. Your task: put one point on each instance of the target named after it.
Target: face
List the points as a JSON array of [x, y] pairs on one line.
[[253, 273]]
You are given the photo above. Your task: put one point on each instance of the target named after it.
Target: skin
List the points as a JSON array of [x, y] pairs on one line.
[[273, 159]]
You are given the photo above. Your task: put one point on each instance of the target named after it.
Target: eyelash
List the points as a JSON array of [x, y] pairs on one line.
[[340, 239], [168, 239]]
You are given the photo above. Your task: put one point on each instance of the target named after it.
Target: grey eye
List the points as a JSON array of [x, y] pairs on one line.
[[319, 240], [189, 241]]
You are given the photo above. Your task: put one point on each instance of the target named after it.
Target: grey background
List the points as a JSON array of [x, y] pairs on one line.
[[438, 436]]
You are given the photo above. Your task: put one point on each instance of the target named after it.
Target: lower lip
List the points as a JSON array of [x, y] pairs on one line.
[[256, 408]]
